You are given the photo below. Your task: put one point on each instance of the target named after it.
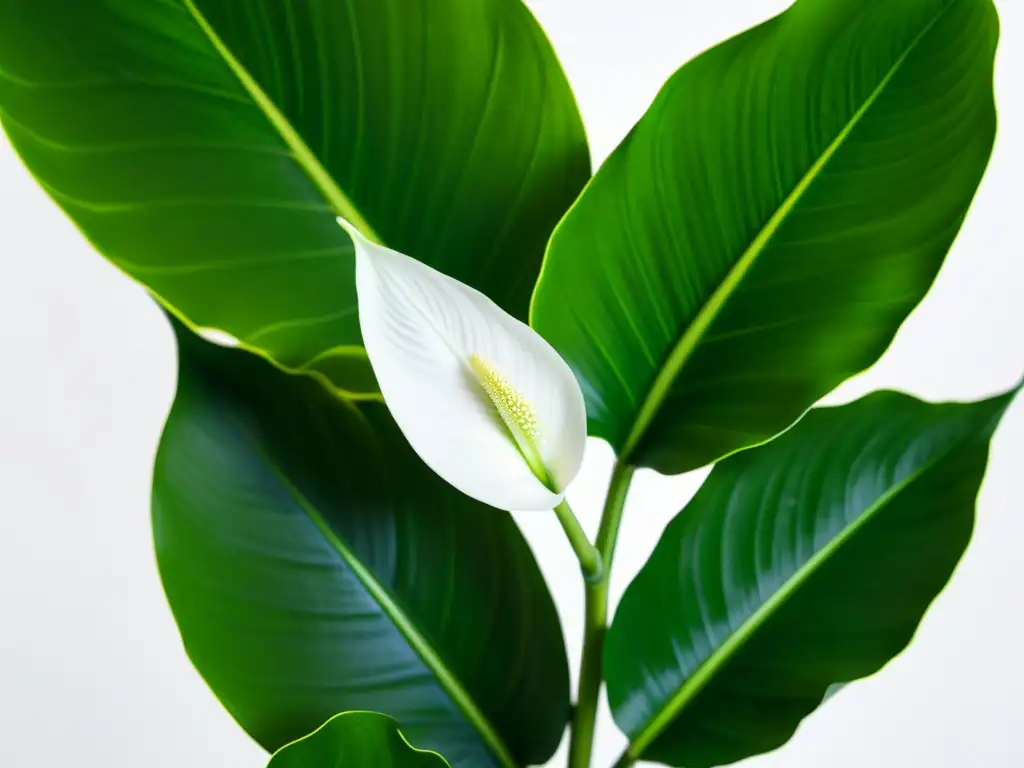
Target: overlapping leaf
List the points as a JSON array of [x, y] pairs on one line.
[[799, 564], [314, 566], [767, 226], [205, 147]]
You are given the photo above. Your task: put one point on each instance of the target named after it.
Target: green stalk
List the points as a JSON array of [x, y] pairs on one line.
[[596, 622], [590, 559]]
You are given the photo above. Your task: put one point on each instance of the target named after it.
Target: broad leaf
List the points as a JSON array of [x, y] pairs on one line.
[[766, 227], [314, 566], [206, 146], [803, 563], [355, 740]]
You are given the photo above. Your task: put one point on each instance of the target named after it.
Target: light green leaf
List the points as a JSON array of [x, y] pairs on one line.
[[314, 565], [355, 740], [800, 564], [206, 146], [767, 226]]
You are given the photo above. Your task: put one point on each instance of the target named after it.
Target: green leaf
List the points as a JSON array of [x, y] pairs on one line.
[[355, 740], [205, 147], [767, 226], [314, 566], [806, 562]]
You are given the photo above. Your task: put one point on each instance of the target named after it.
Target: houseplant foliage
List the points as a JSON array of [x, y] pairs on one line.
[[316, 566], [756, 239], [200, 144]]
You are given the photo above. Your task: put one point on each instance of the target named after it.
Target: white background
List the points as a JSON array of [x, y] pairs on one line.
[[92, 672]]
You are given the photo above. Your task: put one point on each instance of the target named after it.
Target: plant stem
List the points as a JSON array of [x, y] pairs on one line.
[[586, 553], [596, 621]]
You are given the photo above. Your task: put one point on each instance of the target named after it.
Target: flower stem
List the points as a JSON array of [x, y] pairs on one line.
[[589, 557], [596, 621]]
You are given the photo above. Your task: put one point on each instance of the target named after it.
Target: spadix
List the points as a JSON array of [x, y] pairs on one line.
[[481, 397]]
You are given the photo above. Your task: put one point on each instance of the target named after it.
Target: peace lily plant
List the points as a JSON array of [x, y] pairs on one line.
[[331, 498]]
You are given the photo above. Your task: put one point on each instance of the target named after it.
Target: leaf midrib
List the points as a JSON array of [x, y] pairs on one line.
[[691, 338], [303, 155], [430, 657], [704, 674]]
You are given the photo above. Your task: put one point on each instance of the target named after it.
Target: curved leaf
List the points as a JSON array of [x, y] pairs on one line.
[[767, 226], [806, 562], [355, 740], [314, 565], [206, 146]]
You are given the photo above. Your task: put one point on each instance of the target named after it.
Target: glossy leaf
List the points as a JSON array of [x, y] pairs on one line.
[[767, 226], [807, 562], [355, 740], [314, 566], [206, 146]]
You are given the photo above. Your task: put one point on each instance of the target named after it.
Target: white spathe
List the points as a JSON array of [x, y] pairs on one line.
[[422, 329]]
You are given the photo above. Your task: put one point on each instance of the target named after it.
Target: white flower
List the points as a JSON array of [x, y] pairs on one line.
[[481, 397]]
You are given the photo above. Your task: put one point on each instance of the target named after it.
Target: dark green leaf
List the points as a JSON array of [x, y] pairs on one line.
[[766, 227], [807, 562], [205, 147], [314, 566], [355, 740]]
